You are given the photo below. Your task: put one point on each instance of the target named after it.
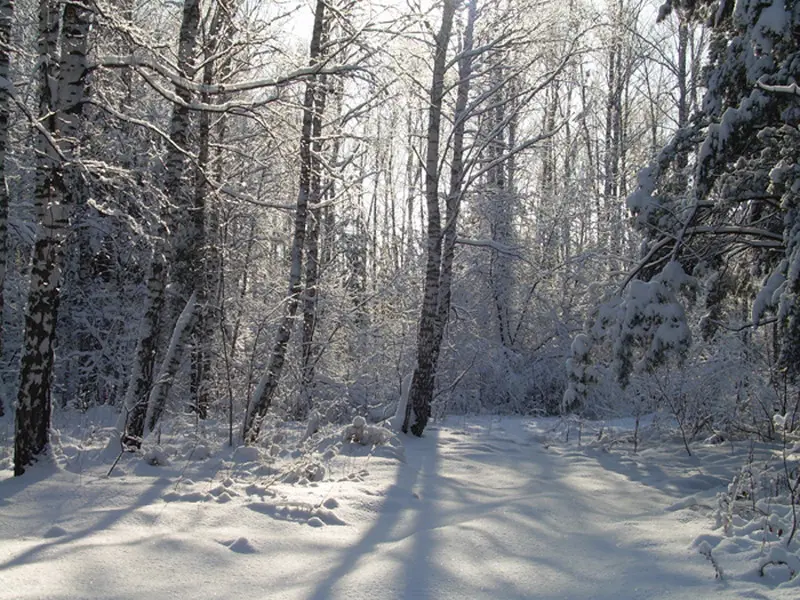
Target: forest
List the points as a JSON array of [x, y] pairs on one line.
[[226, 220]]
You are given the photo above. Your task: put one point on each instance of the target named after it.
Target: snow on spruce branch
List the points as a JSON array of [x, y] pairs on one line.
[[645, 326]]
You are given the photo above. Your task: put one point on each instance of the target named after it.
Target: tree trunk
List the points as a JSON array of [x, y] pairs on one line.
[[142, 372], [682, 159], [186, 220], [268, 384], [183, 234], [501, 214], [440, 252], [48, 159], [33, 399], [171, 363], [6, 88], [206, 219], [309, 352]]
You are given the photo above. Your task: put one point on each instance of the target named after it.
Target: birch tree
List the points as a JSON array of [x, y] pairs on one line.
[[181, 221], [268, 383], [58, 200], [6, 89], [438, 264]]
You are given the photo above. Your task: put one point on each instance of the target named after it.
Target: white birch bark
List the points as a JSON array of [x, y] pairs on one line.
[[6, 19], [171, 363], [32, 421]]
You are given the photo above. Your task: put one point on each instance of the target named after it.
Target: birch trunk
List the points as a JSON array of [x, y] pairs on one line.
[[309, 351], [268, 384], [6, 88], [171, 363], [47, 47], [428, 339], [32, 422], [138, 390]]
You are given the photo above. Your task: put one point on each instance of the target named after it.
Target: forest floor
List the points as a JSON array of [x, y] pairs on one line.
[[483, 507]]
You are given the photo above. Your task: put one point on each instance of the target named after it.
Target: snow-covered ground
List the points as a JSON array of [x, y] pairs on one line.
[[479, 508]]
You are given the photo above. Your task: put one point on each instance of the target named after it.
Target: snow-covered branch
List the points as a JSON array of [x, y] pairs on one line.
[[176, 79]]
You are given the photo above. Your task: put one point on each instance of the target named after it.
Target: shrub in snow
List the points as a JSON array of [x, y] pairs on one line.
[[315, 472], [645, 326], [704, 548], [650, 318], [759, 511], [156, 457], [581, 374], [304, 472], [359, 432], [313, 424]]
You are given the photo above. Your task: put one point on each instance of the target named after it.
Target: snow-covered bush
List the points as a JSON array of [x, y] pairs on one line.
[[645, 328], [360, 432], [580, 373], [156, 457], [759, 512]]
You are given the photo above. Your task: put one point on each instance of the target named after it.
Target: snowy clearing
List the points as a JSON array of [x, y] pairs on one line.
[[478, 508]]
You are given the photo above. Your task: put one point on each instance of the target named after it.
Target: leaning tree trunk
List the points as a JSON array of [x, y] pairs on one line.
[[6, 19], [422, 383], [268, 384], [138, 391], [32, 422], [171, 363]]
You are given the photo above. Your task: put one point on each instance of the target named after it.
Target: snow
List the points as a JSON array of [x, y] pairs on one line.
[[769, 294], [400, 412], [359, 432], [480, 507]]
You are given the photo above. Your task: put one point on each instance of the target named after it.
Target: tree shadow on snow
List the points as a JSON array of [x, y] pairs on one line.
[[414, 490], [56, 536], [442, 531], [687, 476]]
